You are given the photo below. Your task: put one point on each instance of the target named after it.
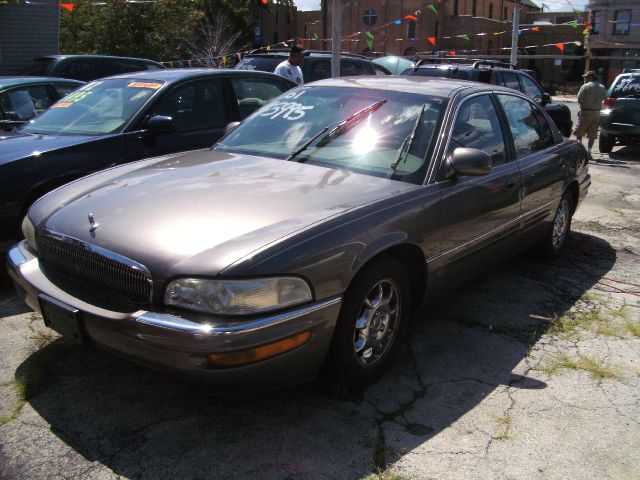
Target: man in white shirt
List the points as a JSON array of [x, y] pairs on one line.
[[290, 68]]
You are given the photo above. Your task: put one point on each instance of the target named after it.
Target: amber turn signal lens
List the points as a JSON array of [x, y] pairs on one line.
[[243, 357]]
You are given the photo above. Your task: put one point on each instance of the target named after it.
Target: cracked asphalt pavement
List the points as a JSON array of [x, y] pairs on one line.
[[530, 371]]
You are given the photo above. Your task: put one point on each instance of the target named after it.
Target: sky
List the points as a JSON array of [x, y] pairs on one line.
[[553, 5]]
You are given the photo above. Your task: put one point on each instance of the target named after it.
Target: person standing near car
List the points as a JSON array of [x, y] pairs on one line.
[[590, 97], [290, 68]]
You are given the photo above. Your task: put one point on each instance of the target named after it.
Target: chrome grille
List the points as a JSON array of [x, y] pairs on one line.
[[95, 268]]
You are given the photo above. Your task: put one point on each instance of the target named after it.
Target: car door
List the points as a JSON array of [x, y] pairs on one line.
[[479, 210], [537, 152], [200, 110]]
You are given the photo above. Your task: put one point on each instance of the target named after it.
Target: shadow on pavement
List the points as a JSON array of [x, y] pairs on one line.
[[621, 157], [141, 424]]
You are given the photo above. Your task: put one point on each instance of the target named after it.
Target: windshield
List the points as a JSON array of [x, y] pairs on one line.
[[100, 107], [356, 129]]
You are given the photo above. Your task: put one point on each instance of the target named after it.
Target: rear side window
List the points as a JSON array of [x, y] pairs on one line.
[[252, 93], [510, 80], [626, 87], [319, 70], [85, 70], [438, 72], [349, 68], [531, 89], [526, 130]]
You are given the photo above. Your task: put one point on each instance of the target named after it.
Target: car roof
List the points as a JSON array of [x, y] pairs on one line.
[[440, 87], [308, 54], [113, 57], [178, 74], [13, 81]]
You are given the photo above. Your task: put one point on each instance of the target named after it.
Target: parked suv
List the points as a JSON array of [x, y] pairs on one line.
[[316, 66], [89, 67], [500, 73], [620, 115]]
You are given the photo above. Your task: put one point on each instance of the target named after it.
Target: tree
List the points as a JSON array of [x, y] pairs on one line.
[[214, 41]]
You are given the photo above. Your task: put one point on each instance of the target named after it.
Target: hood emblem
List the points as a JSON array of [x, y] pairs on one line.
[[93, 223]]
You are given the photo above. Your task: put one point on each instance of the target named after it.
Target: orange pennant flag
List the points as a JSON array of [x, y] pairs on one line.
[[68, 6], [535, 29], [452, 52], [560, 46], [411, 17], [432, 40]]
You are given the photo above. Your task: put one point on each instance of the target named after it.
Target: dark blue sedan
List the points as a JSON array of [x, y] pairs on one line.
[[120, 119]]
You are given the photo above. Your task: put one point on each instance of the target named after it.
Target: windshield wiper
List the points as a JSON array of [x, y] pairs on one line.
[[403, 151], [334, 130]]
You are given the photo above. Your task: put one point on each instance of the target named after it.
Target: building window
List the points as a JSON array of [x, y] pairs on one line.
[[455, 7], [370, 17], [288, 18], [623, 22], [411, 31], [474, 8], [596, 20], [276, 15], [504, 14], [436, 30], [491, 10], [275, 37]]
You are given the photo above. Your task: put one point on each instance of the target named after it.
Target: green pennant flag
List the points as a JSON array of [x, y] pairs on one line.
[[433, 8], [466, 37], [575, 10], [574, 23], [314, 36], [369, 37]]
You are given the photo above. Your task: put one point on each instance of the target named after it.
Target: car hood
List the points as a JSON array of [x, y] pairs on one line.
[[197, 213], [17, 145]]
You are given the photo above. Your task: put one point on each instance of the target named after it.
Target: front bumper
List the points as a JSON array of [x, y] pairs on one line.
[[178, 344]]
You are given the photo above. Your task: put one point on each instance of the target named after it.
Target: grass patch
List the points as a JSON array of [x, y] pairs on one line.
[[623, 312], [634, 328], [504, 423], [571, 322], [598, 369]]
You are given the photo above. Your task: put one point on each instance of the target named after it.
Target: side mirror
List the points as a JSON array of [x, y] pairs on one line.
[[230, 128], [546, 98], [468, 161], [160, 124]]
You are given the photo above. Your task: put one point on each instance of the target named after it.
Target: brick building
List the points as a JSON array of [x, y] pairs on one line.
[[453, 18], [28, 30]]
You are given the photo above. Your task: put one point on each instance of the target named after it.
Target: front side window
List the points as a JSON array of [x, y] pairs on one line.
[[22, 104], [531, 89], [195, 106], [364, 130], [100, 107], [622, 22], [477, 126], [527, 133]]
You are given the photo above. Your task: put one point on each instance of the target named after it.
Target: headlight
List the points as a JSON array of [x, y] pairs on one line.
[[29, 232], [237, 297]]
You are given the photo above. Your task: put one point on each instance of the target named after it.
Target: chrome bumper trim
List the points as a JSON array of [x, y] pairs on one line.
[[173, 322]]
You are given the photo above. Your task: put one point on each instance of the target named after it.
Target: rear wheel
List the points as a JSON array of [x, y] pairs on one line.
[[606, 143], [554, 241], [374, 314]]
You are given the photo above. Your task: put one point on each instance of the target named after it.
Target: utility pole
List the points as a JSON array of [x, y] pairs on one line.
[[336, 30], [514, 34], [587, 44]]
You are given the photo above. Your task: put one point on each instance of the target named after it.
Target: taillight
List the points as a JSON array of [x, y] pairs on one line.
[[609, 102]]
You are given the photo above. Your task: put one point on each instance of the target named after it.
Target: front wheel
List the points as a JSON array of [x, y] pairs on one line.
[[606, 143], [554, 241], [374, 314]]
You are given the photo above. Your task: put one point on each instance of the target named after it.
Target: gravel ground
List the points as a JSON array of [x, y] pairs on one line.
[[531, 371]]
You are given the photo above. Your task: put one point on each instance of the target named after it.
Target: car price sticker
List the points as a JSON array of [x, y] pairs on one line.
[[61, 105], [153, 86]]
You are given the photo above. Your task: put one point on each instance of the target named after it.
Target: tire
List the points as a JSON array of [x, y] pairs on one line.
[[374, 316], [606, 143], [555, 240]]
